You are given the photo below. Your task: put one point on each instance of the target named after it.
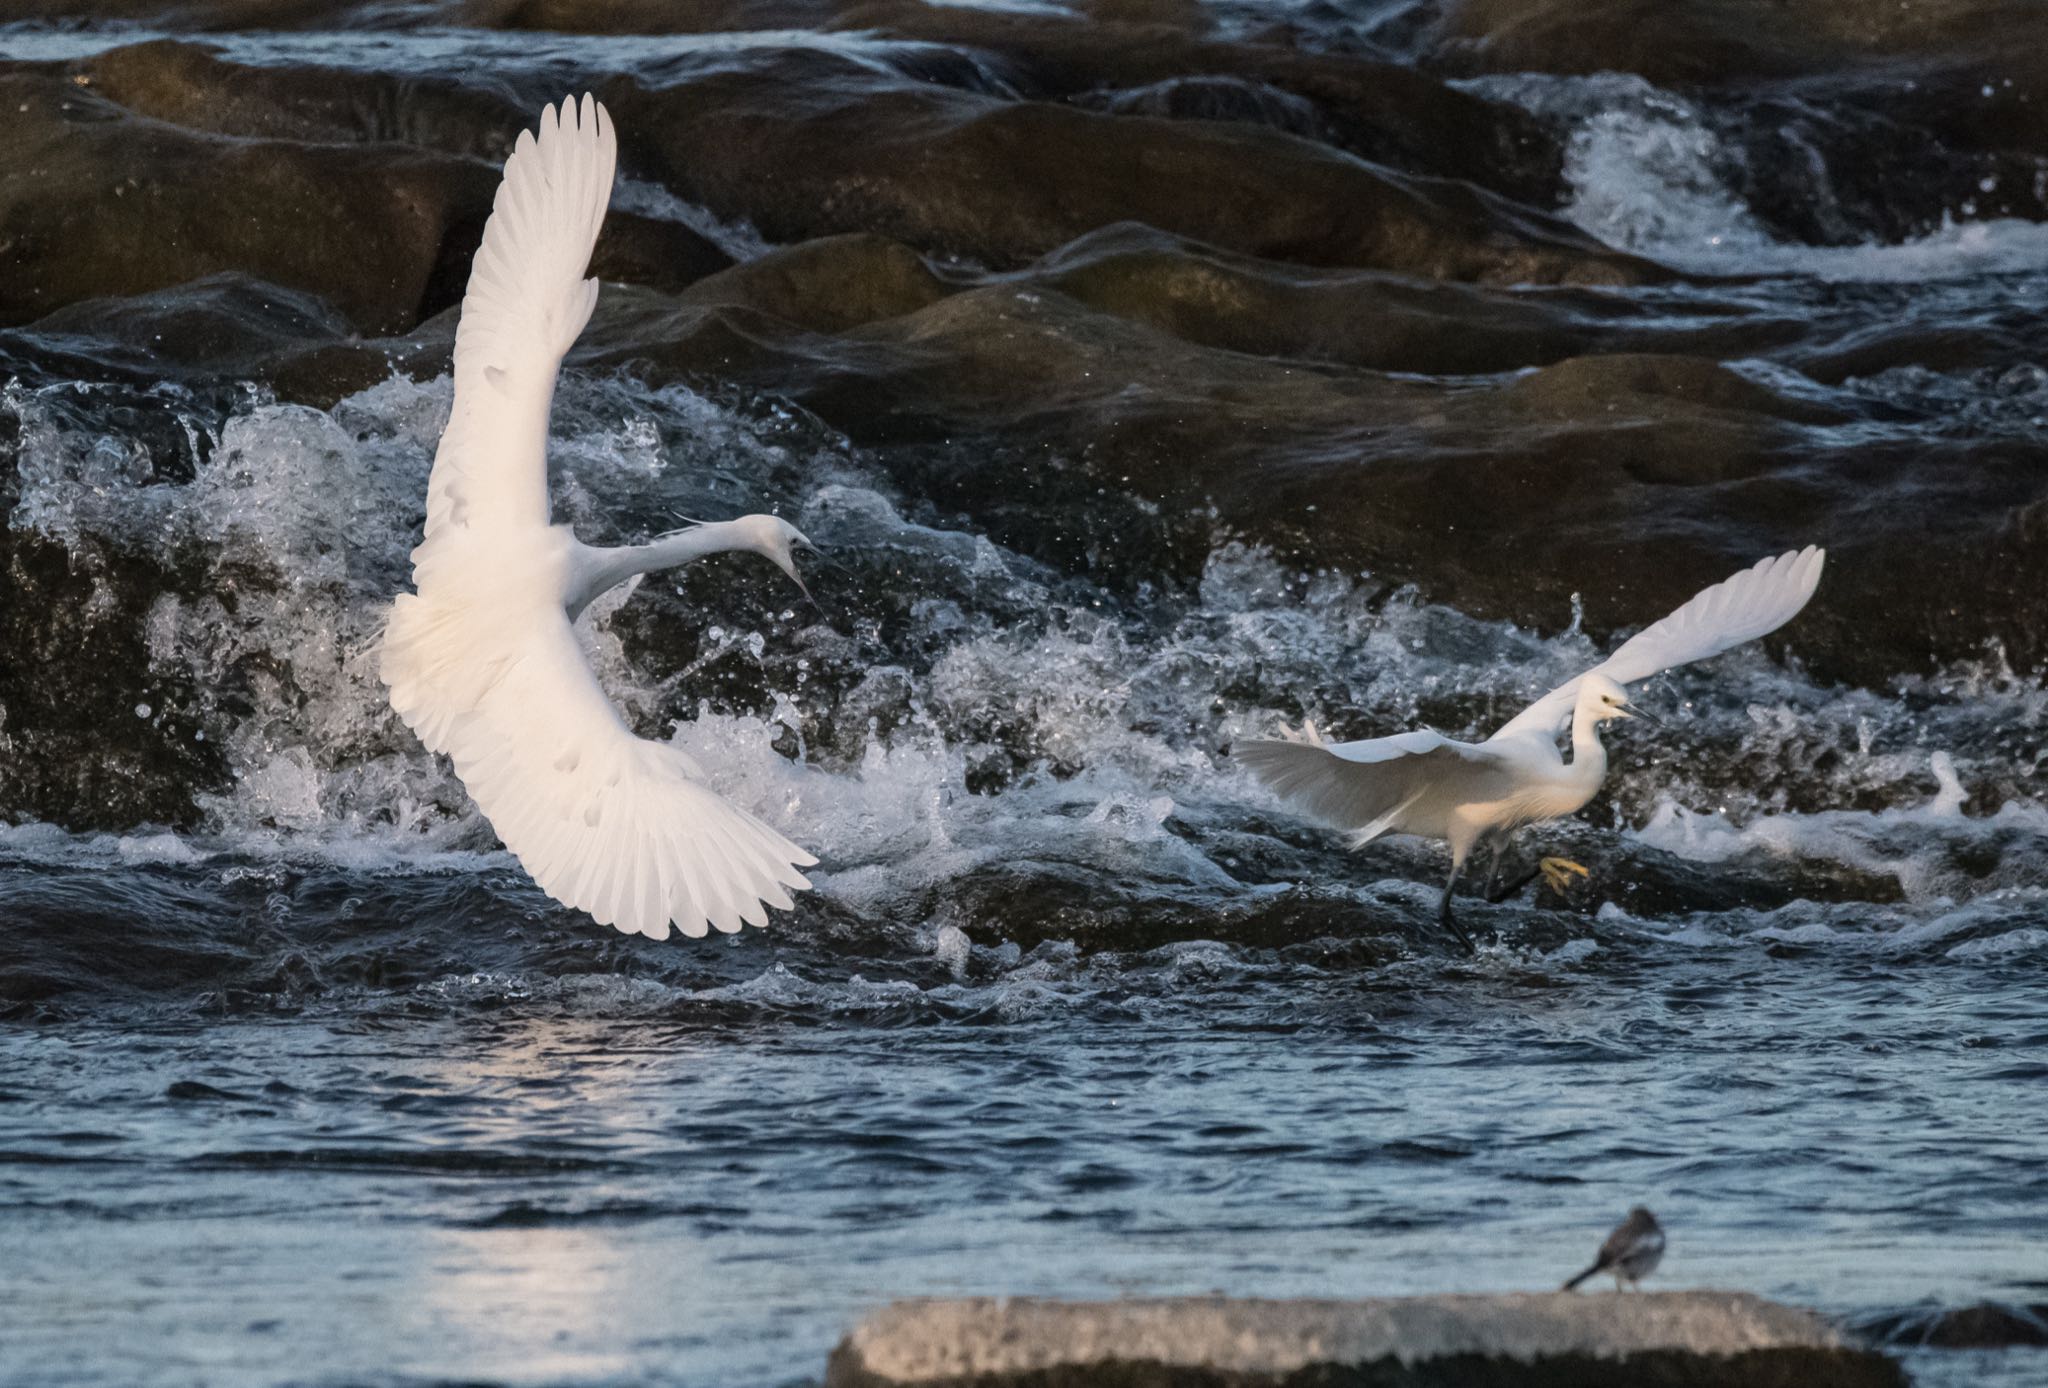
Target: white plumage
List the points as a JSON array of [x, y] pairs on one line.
[[1751, 604], [482, 661], [1426, 784]]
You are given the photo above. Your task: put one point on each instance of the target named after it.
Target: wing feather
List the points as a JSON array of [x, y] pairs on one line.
[[606, 821], [1377, 786], [526, 302], [1751, 604]]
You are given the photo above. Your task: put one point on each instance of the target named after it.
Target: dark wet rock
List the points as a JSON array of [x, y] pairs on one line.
[[324, 375], [1298, 910], [1851, 120], [650, 16], [828, 285], [95, 202], [1387, 322], [1152, 57], [189, 15], [1217, 98], [851, 153], [190, 85], [222, 325], [1890, 336], [1987, 1325], [108, 741], [285, 179], [1643, 882], [1825, 162], [1391, 114], [1729, 40], [1026, 905], [1556, 1339], [1388, 113]]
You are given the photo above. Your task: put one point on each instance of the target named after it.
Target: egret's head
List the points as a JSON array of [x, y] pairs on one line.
[[1604, 698], [779, 540]]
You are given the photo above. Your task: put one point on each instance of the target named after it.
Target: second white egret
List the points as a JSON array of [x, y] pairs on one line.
[[1432, 786]]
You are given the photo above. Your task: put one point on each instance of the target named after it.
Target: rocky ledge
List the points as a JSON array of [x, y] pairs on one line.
[[1726, 1339]]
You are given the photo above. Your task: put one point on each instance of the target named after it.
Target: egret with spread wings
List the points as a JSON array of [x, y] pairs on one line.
[[1429, 785], [482, 660]]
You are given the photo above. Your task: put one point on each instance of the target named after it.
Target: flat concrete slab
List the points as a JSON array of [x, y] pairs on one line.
[[1556, 1339]]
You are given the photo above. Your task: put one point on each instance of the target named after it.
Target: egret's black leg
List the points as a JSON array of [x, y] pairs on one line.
[[1495, 893], [1514, 888], [1500, 842], [1443, 911]]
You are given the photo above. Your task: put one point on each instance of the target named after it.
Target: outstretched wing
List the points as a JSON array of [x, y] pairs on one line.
[[527, 300], [605, 821], [1753, 603], [1377, 786], [482, 661]]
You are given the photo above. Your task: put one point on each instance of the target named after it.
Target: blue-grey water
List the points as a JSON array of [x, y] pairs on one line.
[[303, 1082], [626, 1183]]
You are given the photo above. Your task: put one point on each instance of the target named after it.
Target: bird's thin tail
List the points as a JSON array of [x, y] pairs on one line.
[[1573, 1284]]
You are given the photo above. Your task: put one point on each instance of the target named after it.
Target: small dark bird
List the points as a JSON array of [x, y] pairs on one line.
[[1631, 1252]]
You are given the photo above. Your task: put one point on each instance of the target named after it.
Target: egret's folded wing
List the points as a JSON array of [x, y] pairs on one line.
[[1753, 603], [526, 302], [1371, 787], [605, 821]]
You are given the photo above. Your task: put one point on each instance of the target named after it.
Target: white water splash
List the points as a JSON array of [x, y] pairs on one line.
[[1112, 728], [1648, 174], [737, 239]]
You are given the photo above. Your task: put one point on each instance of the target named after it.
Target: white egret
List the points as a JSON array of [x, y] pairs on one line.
[[482, 661], [1432, 786]]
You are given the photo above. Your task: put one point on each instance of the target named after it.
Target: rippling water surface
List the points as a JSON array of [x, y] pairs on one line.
[[302, 1081], [625, 1178]]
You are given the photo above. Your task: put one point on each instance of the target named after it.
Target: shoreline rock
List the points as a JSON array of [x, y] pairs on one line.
[[1727, 1339]]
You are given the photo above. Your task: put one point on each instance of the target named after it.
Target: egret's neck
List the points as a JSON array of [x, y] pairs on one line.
[[1589, 757], [595, 571]]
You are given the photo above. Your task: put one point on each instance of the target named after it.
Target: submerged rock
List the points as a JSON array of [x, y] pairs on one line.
[[1987, 1325], [1556, 1340]]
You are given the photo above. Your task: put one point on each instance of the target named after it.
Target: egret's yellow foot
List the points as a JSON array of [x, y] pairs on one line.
[[1557, 872]]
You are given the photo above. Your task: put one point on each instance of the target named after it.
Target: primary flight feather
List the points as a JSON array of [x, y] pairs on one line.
[[1429, 785], [482, 659]]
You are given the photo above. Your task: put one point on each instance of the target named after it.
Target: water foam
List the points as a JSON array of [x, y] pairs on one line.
[[737, 239], [1649, 174], [1023, 721]]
